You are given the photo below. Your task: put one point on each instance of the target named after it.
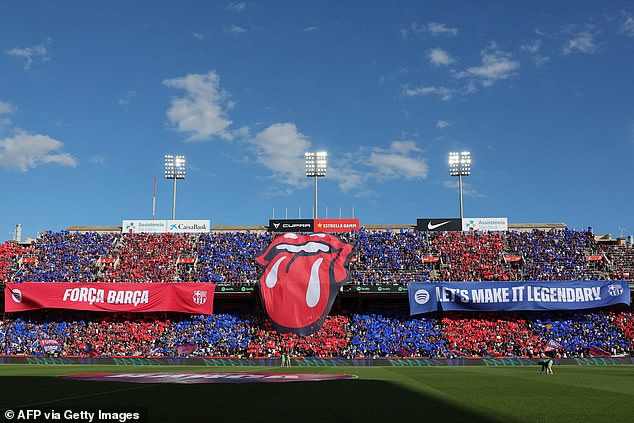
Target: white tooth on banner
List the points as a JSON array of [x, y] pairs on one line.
[[313, 291], [310, 247], [271, 278]]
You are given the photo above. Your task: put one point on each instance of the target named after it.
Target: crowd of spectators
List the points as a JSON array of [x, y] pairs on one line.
[[370, 335], [147, 257], [554, 255], [381, 257], [391, 334], [490, 335], [62, 256], [471, 256], [329, 341], [226, 257], [8, 253], [579, 332], [388, 257], [620, 259]]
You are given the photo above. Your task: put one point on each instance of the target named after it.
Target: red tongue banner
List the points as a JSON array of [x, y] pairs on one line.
[[301, 291], [302, 277]]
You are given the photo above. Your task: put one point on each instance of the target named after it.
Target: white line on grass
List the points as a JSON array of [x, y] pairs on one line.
[[80, 396]]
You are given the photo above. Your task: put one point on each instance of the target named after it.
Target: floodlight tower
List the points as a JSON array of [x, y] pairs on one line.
[[316, 164], [460, 165], [174, 169]]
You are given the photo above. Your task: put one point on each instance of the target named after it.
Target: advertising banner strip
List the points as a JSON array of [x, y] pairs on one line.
[[439, 225], [291, 225], [426, 297], [195, 298], [484, 224], [166, 226], [337, 225], [314, 225]]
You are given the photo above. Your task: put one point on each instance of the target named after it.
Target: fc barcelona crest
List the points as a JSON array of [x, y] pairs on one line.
[[200, 297]]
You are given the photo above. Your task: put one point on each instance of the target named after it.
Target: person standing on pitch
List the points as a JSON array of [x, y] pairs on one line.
[[547, 364]]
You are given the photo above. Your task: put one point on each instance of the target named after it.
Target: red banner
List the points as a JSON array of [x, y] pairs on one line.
[[336, 225], [594, 258], [301, 279], [195, 298], [28, 260], [107, 260], [431, 259], [512, 259], [186, 260]]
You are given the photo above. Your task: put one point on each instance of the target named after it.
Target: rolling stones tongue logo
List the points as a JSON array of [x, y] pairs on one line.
[[302, 277]]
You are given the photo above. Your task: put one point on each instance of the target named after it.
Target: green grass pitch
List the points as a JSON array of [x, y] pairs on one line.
[[379, 394]]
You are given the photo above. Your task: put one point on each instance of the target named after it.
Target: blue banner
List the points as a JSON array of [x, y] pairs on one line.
[[427, 297]]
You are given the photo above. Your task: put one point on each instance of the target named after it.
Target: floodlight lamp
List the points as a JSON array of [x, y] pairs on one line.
[[454, 159], [460, 163], [316, 164], [175, 167]]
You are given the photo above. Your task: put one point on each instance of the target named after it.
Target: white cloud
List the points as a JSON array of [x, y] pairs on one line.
[[201, 113], [582, 42], [201, 35], [436, 29], [6, 108], [355, 171], [125, 101], [397, 162], [97, 159], [439, 57], [467, 188], [442, 124], [31, 54], [444, 93], [235, 30], [310, 29], [280, 148], [26, 151], [404, 147], [627, 26], [534, 49], [347, 176], [238, 7], [496, 65], [413, 28]]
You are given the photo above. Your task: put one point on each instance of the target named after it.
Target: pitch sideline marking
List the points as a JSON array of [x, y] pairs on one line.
[[79, 396]]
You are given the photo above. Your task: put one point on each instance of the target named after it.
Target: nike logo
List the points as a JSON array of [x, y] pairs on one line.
[[430, 226]]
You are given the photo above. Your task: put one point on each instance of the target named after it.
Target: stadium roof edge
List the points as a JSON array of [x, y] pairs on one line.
[[531, 226], [511, 226], [94, 229]]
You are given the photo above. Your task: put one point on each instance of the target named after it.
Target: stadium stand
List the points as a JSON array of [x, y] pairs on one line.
[[391, 334], [382, 257], [226, 258], [379, 334], [62, 256], [478, 335]]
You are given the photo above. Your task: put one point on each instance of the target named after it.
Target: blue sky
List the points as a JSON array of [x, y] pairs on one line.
[[95, 93]]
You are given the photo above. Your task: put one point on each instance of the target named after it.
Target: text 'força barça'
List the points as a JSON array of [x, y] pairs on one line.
[[111, 296]]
